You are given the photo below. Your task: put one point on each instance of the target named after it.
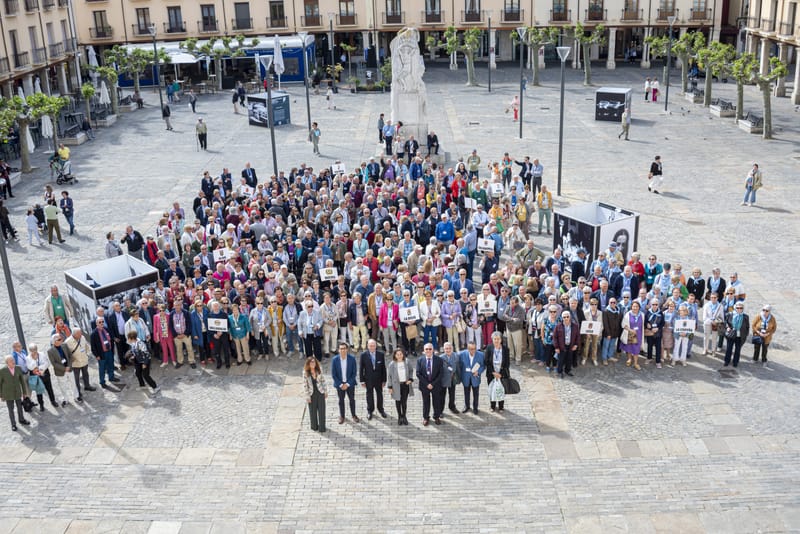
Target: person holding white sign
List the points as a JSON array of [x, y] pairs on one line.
[[220, 340], [430, 314], [591, 340], [654, 326], [681, 336]]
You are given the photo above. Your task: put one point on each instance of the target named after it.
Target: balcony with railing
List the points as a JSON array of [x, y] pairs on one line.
[[21, 60], [175, 27], [71, 45], [786, 29], [31, 5], [40, 55], [243, 24], [57, 50], [277, 22], [753, 22], [4, 65], [391, 19], [310, 21], [512, 15], [432, 17], [348, 19], [207, 26], [101, 32], [141, 30], [471, 17], [631, 15], [12, 7], [697, 15], [767, 25], [595, 14], [559, 15], [48, 4], [664, 14], [63, 3]]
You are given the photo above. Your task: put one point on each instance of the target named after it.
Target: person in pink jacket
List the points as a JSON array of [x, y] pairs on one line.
[[389, 321], [163, 335]]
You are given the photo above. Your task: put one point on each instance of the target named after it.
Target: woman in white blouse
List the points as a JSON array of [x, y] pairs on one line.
[[400, 376], [39, 378]]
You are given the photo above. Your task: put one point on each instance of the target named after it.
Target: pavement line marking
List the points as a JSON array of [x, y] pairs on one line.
[[455, 127], [288, 418]]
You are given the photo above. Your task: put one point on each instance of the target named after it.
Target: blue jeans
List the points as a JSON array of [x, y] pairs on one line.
[[609, 348], [429, 336], [71, 223], [292, 340], [106, 365], [538, 350], [750, 193]]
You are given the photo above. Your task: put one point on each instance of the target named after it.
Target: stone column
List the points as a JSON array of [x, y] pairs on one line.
[[764, 64], [27, 84], [682, 31], [780, 83], [753, 41], [796, 89], [63, 88], [611, 63], [8, 89], [44, 75], [645, 63], [493, 49]]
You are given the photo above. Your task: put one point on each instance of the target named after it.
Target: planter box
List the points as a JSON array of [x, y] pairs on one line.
[[693, 98], [127, 108], [719, 112], [78, 139], [107, 122], [749, 127]]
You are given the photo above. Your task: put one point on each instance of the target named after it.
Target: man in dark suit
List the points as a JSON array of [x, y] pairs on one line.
[[471, 375], [372, 375], [579, 265], [429, 375], [498, 363], [12, 389], [343, 372], [249, 174], [180, 324], [565, 339], [102, 346], [433, 143], [624, 281], [412, 147], [603, 294], [116, 319]]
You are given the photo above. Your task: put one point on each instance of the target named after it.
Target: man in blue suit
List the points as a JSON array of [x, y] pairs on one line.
[[429, 375], [470, 376], [344, 369]]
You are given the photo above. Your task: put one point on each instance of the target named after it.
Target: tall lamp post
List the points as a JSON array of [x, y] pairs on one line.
[[156, 69], [303, 36], [271, 114], [563, 54], [330, 45], [522, 31], [12, 297], [671, 20]]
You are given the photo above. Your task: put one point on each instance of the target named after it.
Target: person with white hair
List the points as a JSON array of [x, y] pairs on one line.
[[39, 376], [764, 327], [12, 387], [79, 362]]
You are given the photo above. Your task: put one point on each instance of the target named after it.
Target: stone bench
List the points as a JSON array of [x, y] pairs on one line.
[[106, 122], [722, 108], [74, 139], [695, 97], [752, 123]]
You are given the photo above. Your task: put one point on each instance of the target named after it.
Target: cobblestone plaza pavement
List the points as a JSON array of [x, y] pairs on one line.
[[668, 450]]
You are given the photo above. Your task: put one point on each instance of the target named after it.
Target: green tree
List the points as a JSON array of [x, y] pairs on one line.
[[536, 38], [658, 49], [134, 62], [349, 49], [41, 104], [743, 70], [87, 92], [218, 48], [715, 59], [467, 45], [23, 112], [432, 44], [596, 36], [111, 78], [777, 70], [386, 71], [685, 49]]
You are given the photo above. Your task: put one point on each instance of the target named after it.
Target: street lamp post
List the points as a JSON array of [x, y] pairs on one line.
[[271, 115], [522, 31], [330, 45], [156, 69], [563, 54], [671, 20], [491, 52], [303, 36], [12, 297]]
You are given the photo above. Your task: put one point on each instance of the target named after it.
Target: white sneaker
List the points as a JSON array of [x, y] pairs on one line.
[[163, 365], [743, 204], [156, 390]]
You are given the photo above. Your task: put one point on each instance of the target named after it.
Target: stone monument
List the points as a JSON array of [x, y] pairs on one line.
[[409, 101]]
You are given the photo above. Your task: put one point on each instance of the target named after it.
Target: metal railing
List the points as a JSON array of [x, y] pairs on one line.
[[101, 32], [432, 17], [207, 26], [310, 21], [471, 17], [31, 5], [629, 14], [57, 50], [752, 22], [277, 22], [63, 3], [12, 7], [39, 55], [140, 30], [175, 28], [4, 65], [699, 14], [21, 60], [664, 14], [71, 45], [560, 15], [512, 15], [242, 24], [767, 25], [393, 18], [48, 4], [349, 19], [595, 15], [786, 29]]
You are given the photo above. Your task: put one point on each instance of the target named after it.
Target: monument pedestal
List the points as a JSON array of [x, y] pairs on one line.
[[412, 113]]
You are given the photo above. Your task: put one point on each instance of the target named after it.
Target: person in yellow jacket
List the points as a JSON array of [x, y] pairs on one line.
[[544, 200]]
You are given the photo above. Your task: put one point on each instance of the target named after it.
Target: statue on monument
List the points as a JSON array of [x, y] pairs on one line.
[[408, 96]]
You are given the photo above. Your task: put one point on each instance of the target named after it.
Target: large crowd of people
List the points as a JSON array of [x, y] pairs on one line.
[[397, 260]]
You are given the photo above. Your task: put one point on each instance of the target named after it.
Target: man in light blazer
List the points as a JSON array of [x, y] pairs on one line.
[[471, 377], [372, 375], [344, 370]]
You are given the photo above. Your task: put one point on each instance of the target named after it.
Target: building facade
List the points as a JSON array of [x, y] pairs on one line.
[[39, 42], [773, 29]]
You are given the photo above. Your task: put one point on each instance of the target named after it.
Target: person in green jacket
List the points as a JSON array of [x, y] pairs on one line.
[[12, 386]]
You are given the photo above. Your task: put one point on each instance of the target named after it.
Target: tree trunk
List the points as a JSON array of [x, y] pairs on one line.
[[535, 64], [114, 99], [54, 120], [664, 72], [218, 72], [88, 110], [587, 65], [136, 83], [684, 74], [739, 100], [24, 154], [766, 93], [470, 69], [707, 95]]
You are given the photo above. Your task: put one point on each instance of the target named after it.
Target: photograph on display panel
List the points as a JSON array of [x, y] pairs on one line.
[[571, 235]]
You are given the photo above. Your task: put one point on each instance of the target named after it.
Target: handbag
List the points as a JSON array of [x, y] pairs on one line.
[[27, 404], [758, 340], [510, 385], [461, 327], [730, 333], [496, 391], [411, 331]]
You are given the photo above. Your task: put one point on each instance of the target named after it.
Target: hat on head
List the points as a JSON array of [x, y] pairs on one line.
[[612, 245]]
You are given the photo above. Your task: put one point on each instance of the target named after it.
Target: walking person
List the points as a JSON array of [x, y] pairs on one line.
[[400, 376], [313, 136], [68, 209], [32, 224], [654, 89], [165, 114], [193, 100], [329, 98], [626, 123], [140, 356], [381, 124], [202, 133], [514, 106], [12, 387], [51, 215], [751, 184], [647, 87], [655, 176], [316, 391], [235, 101]]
